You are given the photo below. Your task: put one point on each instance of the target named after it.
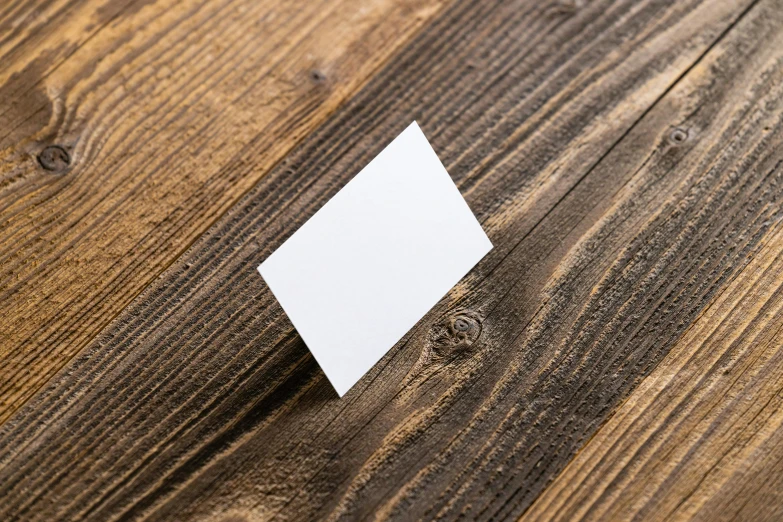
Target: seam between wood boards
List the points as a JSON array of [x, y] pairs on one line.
[[704, 310], [727, 282], [387, 363], [631, 127], [445, 5], [719, 38], [307, 185], [622, 137], [532, 318], [618, 141], [413, 34], [136, 261], [685, 398], [119, 276], [399, 45], [717, 297], [602, 158], [142, 121], [742, 428]]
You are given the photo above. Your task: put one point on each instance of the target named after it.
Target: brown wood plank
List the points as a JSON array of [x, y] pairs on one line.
[[622, 157], [168, 113], [702, 436], [35, 38]]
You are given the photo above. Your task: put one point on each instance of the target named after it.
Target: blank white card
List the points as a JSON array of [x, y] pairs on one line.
[[375, 258]]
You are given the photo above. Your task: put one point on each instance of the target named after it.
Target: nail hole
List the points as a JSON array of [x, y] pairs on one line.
[[678, 136], [461, 325], [317, 76]]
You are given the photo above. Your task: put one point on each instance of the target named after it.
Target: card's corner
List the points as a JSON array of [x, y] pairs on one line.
[[339, 389]]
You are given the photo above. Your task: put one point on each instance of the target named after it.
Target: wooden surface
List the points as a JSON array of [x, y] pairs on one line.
[[701, 436], [622, 361], [165, 128]]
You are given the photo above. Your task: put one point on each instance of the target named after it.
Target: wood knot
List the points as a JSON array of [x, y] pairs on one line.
[[455, 333], [54, 158], [678, 136]]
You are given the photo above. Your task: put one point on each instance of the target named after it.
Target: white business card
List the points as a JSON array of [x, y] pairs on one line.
[[375, 258]]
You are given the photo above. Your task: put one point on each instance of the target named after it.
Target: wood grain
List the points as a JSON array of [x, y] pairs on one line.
[[624, 158], [129, 127], [700, 438]]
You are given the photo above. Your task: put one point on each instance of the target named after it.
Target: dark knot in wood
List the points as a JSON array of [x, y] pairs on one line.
[[54, 158], [455, 333], [678, 136]]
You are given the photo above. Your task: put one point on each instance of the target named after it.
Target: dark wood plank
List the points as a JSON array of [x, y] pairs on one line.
[[128, 128], [623, 176], [701, 437]]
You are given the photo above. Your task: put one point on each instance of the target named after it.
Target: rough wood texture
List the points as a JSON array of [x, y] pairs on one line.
[[702, 436], [129, 127], [625, 159]]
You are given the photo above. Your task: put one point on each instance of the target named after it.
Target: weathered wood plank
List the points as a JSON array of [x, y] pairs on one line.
[[162, 114], [701, 436], [35, 38], [623, 187]]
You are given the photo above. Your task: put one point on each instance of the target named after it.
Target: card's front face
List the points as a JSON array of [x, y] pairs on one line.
[[375, 258]]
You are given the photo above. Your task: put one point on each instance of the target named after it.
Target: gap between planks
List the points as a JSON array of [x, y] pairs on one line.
[[166, 128]]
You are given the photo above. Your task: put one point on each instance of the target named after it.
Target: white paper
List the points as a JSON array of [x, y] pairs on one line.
[[375, 258]]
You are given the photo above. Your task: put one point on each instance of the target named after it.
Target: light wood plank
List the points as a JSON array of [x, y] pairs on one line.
[[169, 111]]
